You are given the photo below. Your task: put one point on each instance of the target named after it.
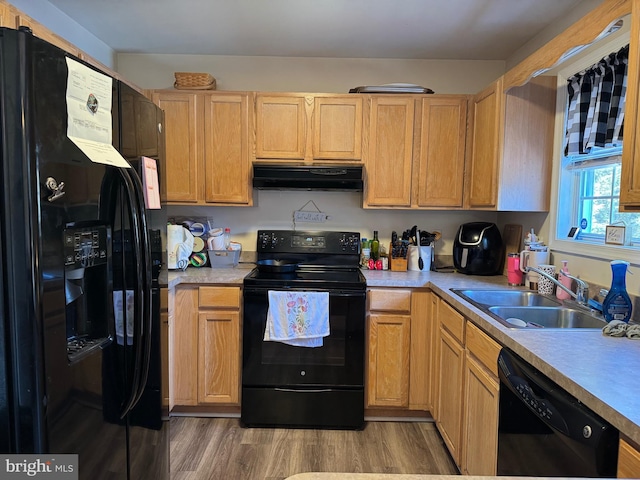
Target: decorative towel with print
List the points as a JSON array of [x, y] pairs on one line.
[[297, 318]]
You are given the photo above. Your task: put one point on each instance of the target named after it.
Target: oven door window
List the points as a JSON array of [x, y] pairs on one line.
[[339, 361]]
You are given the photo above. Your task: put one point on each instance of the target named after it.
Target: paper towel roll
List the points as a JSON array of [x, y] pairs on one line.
[[179, 242]]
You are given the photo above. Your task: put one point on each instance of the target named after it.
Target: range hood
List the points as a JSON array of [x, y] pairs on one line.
[[347, 178]]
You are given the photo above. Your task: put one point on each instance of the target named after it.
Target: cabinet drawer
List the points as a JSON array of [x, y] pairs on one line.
[[390, 300], [483, 347], [219, 297], [451, 320]]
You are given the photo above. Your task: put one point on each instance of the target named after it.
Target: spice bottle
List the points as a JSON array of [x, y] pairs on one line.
[[365, 253]]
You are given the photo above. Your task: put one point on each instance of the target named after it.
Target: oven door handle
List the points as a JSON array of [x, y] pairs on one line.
[[332, 293], [293, 390]]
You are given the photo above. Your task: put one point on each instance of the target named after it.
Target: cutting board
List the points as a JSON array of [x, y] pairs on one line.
[[512, 238]]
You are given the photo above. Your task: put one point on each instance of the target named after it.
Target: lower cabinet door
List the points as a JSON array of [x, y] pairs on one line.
[[450, 393], [480, 432], [388, 365], [219, 357]]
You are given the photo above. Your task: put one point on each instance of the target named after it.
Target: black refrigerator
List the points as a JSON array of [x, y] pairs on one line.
[[80, 339]]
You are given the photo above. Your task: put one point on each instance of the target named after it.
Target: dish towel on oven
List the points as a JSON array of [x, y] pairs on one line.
[[297, 318]]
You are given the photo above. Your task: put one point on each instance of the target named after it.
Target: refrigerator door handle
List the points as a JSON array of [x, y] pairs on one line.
[[138, 233], [147, 319]]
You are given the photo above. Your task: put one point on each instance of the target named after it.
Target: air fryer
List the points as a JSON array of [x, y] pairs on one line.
[[478, 249]]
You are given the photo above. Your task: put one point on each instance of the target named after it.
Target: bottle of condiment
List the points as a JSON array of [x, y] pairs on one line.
[[375, 246], [365, 253], [227, 238]]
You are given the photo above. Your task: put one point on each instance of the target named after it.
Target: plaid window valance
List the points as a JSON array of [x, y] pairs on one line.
[[595, 112]]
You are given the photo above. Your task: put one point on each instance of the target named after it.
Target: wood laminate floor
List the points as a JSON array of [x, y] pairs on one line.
[[219, 448]]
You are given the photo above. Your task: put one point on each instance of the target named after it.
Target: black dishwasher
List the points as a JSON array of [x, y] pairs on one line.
[[544, 431]]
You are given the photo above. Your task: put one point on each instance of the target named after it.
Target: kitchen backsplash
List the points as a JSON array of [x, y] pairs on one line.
[[275, 209]]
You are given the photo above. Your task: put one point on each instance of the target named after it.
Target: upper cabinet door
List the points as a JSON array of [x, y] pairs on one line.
[[390, 151], [442, 152], [483, 175], [7, 19], [337, 127], [183, 151], [226, 147], [281, 123], [630, 174]]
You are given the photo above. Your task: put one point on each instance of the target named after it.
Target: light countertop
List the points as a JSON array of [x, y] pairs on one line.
[[386, 476], [602, 372]]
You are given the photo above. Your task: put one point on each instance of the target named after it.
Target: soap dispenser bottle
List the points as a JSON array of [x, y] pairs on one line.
[[617, 304], [564, 280]]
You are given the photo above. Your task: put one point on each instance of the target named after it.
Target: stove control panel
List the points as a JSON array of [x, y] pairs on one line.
[[299, 242], [350, 242]]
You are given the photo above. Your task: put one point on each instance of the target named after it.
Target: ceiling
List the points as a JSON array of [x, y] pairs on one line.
[[412, 29]]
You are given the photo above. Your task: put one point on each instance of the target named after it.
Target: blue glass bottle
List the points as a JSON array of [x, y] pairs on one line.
[[617, 304]]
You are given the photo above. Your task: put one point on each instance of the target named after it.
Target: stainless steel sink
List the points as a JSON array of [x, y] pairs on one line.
[[506, 298], [546, 317], [524, 309]]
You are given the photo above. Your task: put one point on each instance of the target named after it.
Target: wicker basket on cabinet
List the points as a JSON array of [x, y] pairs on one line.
[[194, 81]]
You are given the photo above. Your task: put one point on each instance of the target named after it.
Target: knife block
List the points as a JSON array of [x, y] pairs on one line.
[[397, 264]]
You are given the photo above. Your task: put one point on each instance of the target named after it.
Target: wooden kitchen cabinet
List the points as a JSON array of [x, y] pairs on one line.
[[512, 150], [451, 376], [481, 402], [183, 150], [308, 127], [183, 346], [207, 147], [441, 159], [628, 460], [205, 346], [434, 355], [398, 368], [630, 174], [389, 153], [226, 149], [39, 30], [6, 17], [420, 351], [415, 151], [389, 343], [219, 345]]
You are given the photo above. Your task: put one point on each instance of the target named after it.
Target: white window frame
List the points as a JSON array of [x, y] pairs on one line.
[[557, 227]]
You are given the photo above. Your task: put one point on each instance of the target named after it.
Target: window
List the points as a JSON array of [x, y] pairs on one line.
[[589, 187], [595, 181]]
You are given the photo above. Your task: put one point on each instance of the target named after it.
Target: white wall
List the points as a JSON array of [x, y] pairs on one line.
[[60, 23], [298, 74], [274, 209], [547, 34]]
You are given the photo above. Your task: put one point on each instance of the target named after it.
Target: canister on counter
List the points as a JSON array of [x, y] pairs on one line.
[[514, 274]]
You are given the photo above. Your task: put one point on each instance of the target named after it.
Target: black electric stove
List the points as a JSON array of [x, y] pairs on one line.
[[293, 386]]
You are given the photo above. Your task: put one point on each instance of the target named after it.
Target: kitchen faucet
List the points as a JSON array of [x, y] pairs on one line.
[[582, 290]]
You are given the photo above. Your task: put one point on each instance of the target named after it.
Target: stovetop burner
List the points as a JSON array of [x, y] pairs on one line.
[[309, 278], [326, 259]]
